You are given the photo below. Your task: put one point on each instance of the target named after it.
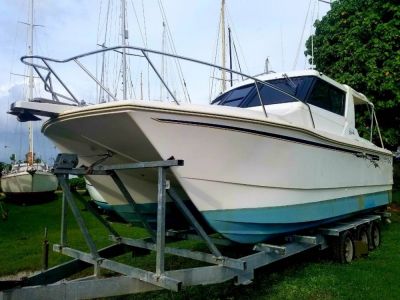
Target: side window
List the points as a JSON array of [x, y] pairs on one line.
[[327, 97], [220, 98], [269, 96], [234, 97], [295, 86]]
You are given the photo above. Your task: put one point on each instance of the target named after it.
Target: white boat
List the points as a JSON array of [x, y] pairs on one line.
[[30, 178], [253, 171]]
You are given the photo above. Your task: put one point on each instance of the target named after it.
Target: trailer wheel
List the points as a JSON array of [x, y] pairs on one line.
[[343, 248], [375, 236], [363, 236]]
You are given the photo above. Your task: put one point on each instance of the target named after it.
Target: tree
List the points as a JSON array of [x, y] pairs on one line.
[[358, 43], [2, 167]]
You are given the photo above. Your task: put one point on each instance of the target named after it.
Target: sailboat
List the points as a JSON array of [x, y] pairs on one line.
[[33, 178]]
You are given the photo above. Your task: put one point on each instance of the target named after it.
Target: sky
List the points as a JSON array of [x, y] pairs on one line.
[[260, 29]]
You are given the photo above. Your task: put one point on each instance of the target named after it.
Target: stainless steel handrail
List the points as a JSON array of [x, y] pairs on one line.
[[144, 51]]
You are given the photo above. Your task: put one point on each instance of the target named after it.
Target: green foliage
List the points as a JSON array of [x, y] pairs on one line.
[[358, 43], [77, 183], [396, 175], [12, 157], [2, 166]]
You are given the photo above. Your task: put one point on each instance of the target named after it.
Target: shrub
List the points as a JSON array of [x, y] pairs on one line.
[[77, 183]]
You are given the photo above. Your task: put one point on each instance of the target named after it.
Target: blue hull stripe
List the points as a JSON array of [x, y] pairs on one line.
[[149, 211], [259, 224], [104, 206]]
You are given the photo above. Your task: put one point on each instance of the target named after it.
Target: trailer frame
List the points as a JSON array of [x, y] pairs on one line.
[[53, 283]]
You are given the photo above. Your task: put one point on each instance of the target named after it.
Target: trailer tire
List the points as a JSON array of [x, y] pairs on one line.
[[375, 233], [343, 248], [363, 236]]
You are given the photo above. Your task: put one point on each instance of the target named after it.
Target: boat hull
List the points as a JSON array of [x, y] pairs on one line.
[[252, 225], [143, 192], [237, 167], [26, 185], [147, 210], [98, 199]]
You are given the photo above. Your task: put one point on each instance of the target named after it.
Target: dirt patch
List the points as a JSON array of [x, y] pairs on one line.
[[394, 207], [18, 276]]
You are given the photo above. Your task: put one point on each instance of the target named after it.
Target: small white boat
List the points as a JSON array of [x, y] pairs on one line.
[[28, 180], [253, 171]]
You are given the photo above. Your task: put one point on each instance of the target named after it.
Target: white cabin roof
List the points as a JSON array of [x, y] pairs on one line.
[[358, 97]]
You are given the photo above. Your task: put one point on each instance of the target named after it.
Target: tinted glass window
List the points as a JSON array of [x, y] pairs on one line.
[[247, 96], [327, 97], [235, 97], [269, 95], [220, 98]]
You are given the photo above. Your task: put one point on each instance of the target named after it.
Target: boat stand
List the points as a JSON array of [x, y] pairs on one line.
[[131, 280], [53, 283]]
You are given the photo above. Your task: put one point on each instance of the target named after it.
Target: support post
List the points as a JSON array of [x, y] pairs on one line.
[[63, 237], [160, 246], [77, 215], [45, 253]]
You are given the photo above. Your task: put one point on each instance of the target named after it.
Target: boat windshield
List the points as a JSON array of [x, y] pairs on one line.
[[247, 96]]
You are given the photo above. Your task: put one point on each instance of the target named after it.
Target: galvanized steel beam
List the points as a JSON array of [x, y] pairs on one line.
[[192, 220], [81, 289], [132, 203], [160, 245], [78, 217], [196, 255], [146, 276]]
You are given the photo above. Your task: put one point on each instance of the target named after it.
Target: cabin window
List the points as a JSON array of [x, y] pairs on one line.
[[288, 89], [327, 97], [220, 99], [236, 96], [270, 95], [247, 96]]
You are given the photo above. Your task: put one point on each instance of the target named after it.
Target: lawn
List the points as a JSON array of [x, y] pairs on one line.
[[307, 276]]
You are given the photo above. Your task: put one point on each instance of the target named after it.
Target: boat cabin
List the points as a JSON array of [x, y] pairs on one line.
[[306, 99], [24, 167]]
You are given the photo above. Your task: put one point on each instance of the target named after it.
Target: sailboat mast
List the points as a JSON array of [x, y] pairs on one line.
[[141, 85], [230, 55], [124, 35], [162, 59], [30, 96], [223, 58]]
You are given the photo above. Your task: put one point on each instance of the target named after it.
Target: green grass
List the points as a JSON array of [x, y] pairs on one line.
[[22, 235], [307, 276]]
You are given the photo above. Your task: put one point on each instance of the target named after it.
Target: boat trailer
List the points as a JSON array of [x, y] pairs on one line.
[[53, 283]]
